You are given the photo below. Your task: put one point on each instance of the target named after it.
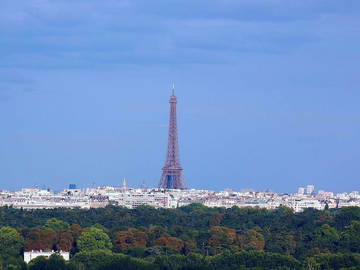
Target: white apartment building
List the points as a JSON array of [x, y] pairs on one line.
[[134, 199], [30, 255], [299, 205]]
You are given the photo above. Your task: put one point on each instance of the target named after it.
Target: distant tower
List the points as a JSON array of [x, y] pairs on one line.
[[172, 176], [124, 184], [310, 189]]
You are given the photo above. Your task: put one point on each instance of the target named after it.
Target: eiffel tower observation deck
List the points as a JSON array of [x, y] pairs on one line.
[[172, 175]]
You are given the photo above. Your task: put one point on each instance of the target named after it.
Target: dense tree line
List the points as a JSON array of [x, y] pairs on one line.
[[191, 237]]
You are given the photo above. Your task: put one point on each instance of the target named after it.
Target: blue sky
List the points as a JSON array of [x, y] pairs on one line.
[[268, 92]]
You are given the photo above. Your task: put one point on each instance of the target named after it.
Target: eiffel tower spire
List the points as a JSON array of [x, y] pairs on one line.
[[172, 176]]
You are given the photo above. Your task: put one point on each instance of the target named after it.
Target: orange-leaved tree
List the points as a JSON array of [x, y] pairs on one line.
[[130, 238], [168, 241]]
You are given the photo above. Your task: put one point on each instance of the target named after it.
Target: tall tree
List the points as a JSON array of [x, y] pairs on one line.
[[221, 236], [252, 240], [346, 215], [54, 262], [350, 238], [11, 241], [166, 240], [40, 239], [93, 239], [130, 238], [56, 225], [326, 238], [65, 241], [281, 242]]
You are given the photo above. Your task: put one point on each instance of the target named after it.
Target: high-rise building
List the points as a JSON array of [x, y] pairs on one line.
[[310, 189], [172, 175], [124, 184], [301, 191]]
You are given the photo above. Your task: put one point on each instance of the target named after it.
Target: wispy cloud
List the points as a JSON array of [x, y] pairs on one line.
[[85, 34], [12, 82], [14, 77]]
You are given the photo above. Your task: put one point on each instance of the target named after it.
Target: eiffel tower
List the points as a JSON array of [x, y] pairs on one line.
[[172, 175]]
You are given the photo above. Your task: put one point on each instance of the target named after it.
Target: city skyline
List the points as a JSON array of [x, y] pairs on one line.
[[95, 197], [269, 93]]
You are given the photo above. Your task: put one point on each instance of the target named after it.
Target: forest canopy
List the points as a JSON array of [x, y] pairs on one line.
[[191, 237]]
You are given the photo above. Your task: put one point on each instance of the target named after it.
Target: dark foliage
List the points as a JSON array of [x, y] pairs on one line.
[[187, 238]]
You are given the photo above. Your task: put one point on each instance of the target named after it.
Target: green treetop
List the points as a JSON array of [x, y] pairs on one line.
[[11, 241], [93, 239], [56, 225]]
